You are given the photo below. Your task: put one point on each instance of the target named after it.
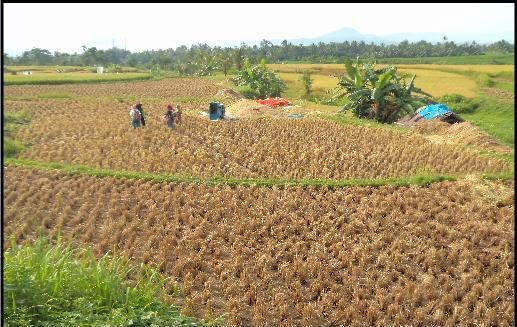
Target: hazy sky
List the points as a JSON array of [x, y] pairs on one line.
[[66, 27]]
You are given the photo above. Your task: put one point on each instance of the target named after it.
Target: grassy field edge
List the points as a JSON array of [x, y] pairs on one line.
[[421, 179], [71, 80]]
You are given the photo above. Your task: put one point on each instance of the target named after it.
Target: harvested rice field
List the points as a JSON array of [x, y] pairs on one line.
[[246, 218], [91, 128], [438, 255]]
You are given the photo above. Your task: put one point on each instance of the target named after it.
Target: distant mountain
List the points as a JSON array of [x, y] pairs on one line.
[[350, 34], [341, 35]]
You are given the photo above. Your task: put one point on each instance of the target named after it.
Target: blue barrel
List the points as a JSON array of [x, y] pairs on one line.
[[216, 111], [213, 111], [214, 115]]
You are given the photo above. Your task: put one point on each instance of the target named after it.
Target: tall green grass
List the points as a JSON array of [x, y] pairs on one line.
[[12, 121], [504, 81], [12, 147], [494, 116], [52, 284], [484, 80], [347, 118], [459, 103], [503, 85]]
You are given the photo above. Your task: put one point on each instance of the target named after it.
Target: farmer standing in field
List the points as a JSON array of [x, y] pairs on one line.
[[142, 115], [135, 115], [178, 114], [169, 116]]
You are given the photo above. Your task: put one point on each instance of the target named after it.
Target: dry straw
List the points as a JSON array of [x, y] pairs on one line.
[[440, 255]]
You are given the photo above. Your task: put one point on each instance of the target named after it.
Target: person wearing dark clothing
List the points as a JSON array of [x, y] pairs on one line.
[[136, 118], [169, 116], [142, 114]]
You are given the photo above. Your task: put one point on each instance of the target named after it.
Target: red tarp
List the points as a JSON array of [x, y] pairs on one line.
[[274, 102]]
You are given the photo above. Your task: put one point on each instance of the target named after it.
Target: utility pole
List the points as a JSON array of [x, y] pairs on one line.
[[125, 47]]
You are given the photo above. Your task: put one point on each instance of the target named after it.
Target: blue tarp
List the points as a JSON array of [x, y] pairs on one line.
[[433, 111]]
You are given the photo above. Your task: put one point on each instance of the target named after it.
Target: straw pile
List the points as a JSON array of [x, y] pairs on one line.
[[460, 133], [433, 126], [247, 108]]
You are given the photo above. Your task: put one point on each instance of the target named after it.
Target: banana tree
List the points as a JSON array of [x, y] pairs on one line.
[[206, 64], [260, 79], [379, 94]]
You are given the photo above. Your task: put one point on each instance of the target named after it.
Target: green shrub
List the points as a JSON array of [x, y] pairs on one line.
[[484, 80], [12, 147], [114, 69], [329, 100], [48, 284], [231, 71], [19, 117], [307, 83], [12, 121], [460, 104]]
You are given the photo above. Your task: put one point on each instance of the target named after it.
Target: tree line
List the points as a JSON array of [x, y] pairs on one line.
[[201, 59]]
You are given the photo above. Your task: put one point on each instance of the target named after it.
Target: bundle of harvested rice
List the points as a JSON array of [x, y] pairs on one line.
[[432, 126]]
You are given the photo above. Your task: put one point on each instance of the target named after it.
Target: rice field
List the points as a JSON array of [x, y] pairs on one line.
[[321, 84], [267, 253], [472, 68], [437, 80], [324, 68], [438, 255], [157, 89], [438, 83]]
